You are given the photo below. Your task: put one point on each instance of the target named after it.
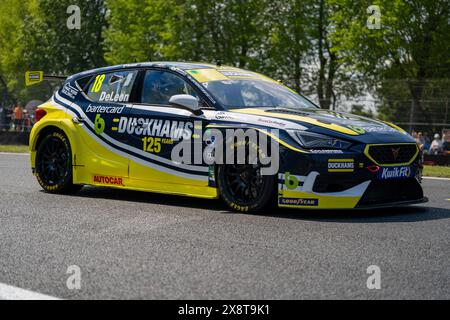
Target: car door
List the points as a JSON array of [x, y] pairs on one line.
[[155, 128], [108, 99]]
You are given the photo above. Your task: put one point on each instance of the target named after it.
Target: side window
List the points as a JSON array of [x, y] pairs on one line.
[[160, 86], [112, 87], [82, 83]]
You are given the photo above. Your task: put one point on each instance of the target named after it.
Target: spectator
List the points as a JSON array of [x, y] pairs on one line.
[[420, 141], [18, 117], [2, 118], [437, 145]]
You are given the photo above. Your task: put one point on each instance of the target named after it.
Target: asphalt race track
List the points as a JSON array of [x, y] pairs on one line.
[[136, 245]]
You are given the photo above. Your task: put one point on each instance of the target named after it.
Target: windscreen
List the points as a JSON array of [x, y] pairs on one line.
[[239, 94]]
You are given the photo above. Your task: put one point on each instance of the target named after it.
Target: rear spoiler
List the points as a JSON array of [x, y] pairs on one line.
[[35, 77]]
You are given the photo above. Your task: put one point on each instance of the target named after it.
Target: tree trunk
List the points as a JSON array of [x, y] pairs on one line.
[[322, 59], [329, 93]]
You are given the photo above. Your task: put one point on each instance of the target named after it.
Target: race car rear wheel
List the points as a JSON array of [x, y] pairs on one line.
[[244, 188], [54, 164]]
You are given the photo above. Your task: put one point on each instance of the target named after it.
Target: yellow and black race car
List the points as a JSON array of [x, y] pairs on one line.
[[119, 127]]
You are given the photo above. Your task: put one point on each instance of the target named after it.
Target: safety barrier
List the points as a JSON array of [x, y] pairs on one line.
[[14, 138]]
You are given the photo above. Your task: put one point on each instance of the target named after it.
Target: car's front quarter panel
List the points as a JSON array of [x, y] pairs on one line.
[[346, 179]]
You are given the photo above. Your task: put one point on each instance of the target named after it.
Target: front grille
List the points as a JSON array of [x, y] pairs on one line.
[[326, 183], [385, 192], [393, 154]]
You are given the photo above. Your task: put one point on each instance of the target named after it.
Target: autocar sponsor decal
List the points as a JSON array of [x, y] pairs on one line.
[[341, 165], [115, 181], [396, 173]]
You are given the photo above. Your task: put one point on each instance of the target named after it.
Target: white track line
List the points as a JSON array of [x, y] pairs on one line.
[[14, 154], [13, 293], [434, 178]]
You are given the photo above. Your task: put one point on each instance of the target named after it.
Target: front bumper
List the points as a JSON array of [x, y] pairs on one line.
[[346, 181], [392, 204]]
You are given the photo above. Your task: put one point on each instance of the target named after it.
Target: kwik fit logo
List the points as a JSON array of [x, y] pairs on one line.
[[396, 173]]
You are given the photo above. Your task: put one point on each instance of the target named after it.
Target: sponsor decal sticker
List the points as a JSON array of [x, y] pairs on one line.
[[299, 202], [357, 129], [174, 130], [233, 74], [223, 116], [272, 122], [99, 125], [33, 77], [104, 109], [70, 91], [290, 181], [396, 173], [323, 151], [114, 181], [341, 165], [114, 97]]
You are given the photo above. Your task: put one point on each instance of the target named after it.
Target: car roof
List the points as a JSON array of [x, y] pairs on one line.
[[160, 64]]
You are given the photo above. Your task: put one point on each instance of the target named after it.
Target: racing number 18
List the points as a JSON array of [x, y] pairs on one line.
[[152, 145], [98, 83]]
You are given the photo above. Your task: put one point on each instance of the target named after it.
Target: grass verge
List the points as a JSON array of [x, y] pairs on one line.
[[436, 171], [14, 149]]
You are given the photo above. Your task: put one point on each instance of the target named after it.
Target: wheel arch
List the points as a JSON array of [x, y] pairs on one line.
[[40, 131]]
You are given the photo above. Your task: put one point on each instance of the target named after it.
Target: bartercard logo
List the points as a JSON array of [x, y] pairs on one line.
[[104, 109]]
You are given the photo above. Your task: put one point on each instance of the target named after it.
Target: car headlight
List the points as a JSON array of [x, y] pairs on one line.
[[310, 140]]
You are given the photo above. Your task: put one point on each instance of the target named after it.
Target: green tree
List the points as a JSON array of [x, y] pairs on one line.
[[290, 41], [406, 58], [34, 36], [227, 31], [136, 30], [51, 46]]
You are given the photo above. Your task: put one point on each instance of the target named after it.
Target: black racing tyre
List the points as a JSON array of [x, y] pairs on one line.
[[244, 189], [54, 164]]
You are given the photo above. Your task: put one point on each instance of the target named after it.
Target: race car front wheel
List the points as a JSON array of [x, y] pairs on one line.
[[54, 164], [244, 188]]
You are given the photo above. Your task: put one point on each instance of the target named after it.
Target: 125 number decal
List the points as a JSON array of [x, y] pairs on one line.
[[151, 144]]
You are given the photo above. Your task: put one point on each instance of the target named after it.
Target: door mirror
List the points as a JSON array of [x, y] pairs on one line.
[[186, 101]]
